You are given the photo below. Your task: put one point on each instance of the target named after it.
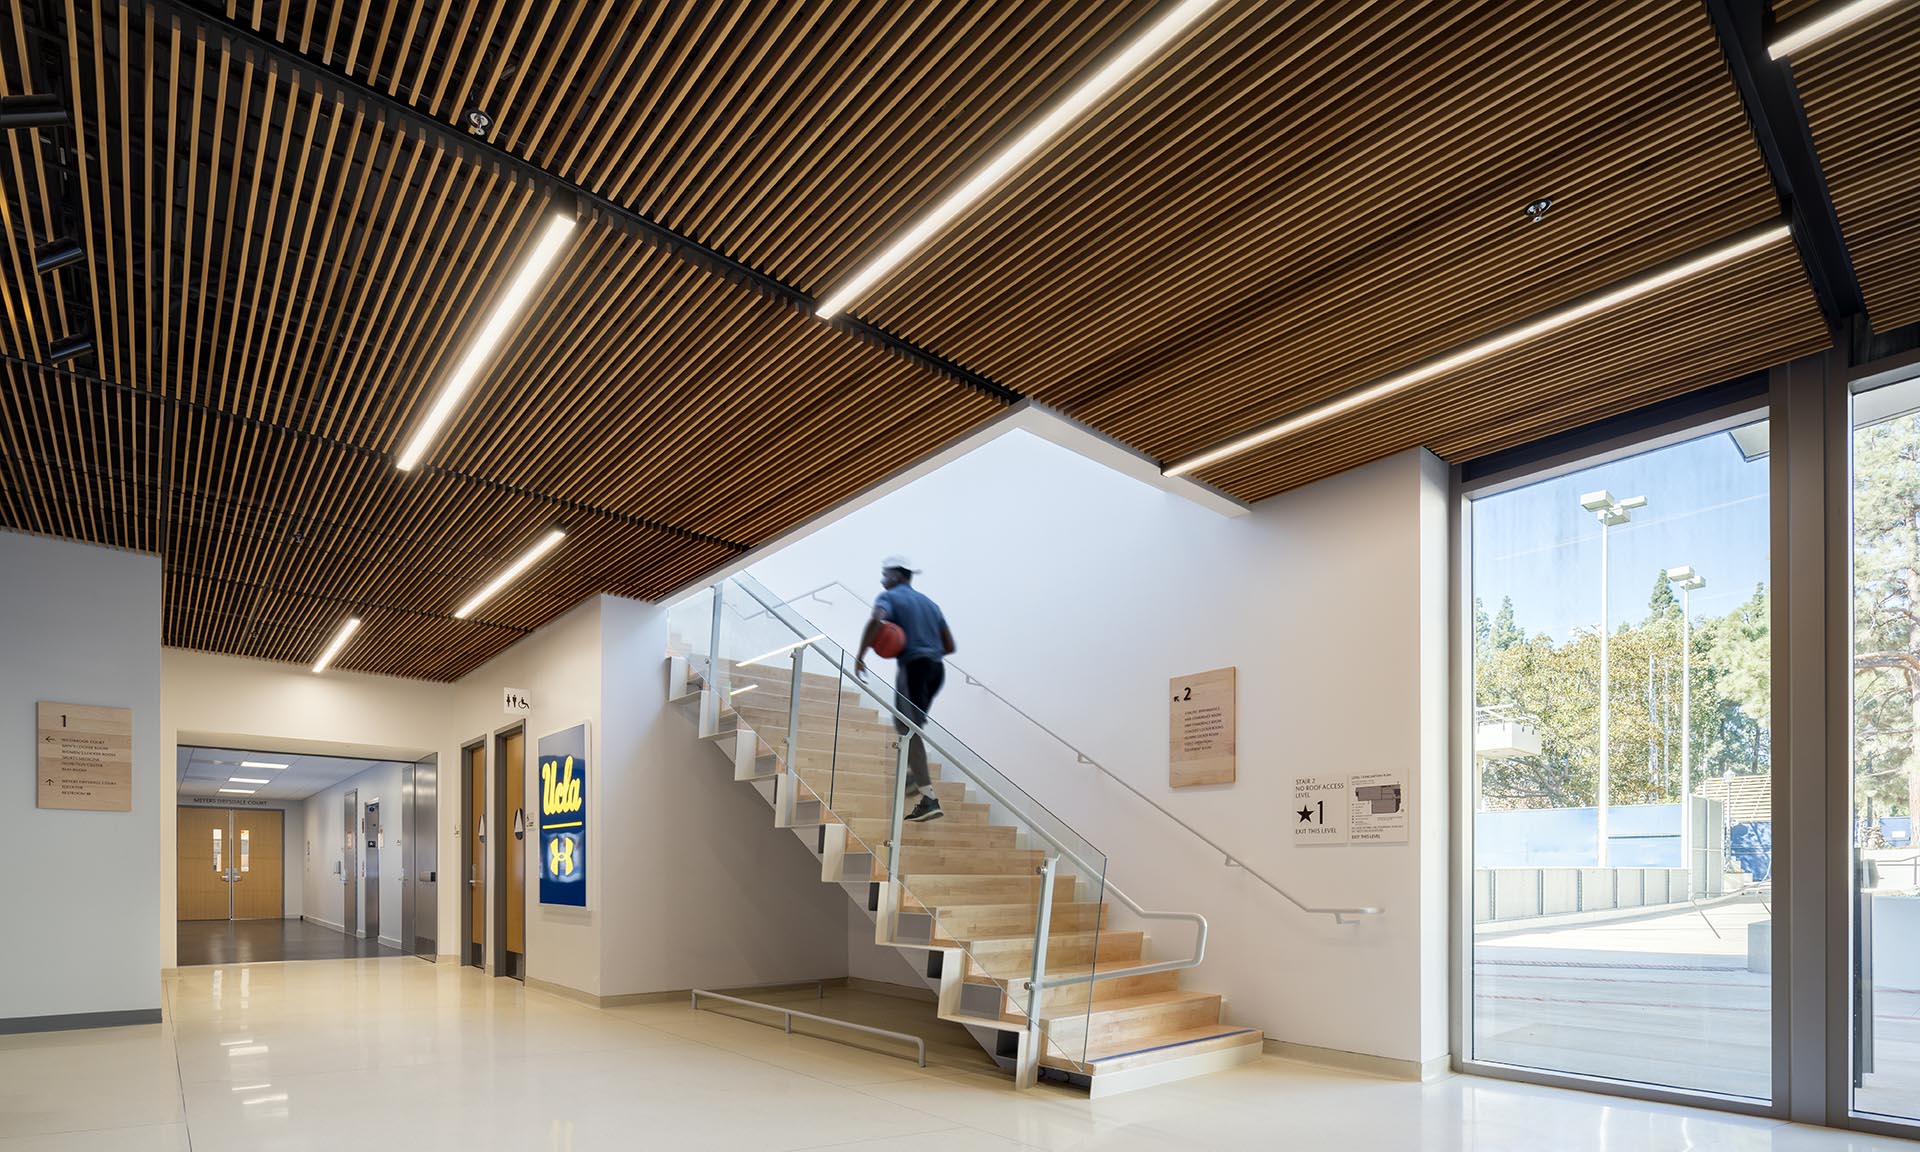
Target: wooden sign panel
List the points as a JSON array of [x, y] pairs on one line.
[[85, 757], [1201, 728]]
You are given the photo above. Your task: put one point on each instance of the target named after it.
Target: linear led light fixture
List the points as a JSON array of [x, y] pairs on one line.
[[739, 691], [260, 764], [525, 560], [339, 641], [1750, 241], [1013, 155], [246, 780], [239, 791], [488, 338], [1799, 35], [785, 648]]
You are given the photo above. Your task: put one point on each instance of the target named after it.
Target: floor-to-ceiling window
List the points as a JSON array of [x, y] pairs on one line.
[[1885, 498], [1620, 848]]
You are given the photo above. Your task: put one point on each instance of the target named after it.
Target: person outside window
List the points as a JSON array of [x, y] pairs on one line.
[[922, 668]]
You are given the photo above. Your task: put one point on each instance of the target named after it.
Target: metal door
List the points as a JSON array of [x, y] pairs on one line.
[[350, 865], [422, 841], [374, 841]]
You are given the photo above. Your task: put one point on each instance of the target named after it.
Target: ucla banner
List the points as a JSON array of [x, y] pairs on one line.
[[563, 817]]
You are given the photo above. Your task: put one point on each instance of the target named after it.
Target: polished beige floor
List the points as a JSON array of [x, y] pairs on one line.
[[398, 1053]]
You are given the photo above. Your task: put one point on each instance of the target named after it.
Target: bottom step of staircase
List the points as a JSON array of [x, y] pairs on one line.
[[1175, 1056]]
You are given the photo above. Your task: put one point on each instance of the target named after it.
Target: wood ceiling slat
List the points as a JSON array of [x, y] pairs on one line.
[[1862, 95], [1742, 318]]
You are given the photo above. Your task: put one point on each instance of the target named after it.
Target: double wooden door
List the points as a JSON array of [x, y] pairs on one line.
[[230, 863]]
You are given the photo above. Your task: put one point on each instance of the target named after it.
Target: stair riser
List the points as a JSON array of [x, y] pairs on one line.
[[959, 923], [1002, 958], [943, 833], [1106, 991], [1139, 1025], [956, 891]]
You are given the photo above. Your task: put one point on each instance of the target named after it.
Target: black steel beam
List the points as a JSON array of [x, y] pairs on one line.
[[1779, 124], [480, 150]]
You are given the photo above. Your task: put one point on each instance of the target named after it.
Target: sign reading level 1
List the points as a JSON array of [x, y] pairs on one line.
[[85, 757], [563, 817], [1200, 728], [1320, 810]]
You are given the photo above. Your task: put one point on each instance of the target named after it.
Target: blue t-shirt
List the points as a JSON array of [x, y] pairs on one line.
[[918, 617]]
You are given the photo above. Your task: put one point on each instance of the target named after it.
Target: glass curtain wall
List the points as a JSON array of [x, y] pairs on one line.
[[1886, 751], [1620, 845]]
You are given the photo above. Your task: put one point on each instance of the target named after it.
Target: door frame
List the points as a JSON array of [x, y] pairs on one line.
[[350, 865], [499, 816], [472, 845]]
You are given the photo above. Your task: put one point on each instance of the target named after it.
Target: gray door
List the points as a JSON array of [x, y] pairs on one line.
[[423, 858], [407, 878], [350, 865], [372, 841]]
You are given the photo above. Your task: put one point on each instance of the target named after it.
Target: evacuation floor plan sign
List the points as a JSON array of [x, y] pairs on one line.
[[1379, 812]]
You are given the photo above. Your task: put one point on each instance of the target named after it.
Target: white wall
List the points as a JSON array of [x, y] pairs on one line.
[[203, 693], [325, 825], [709, 893], [79, 625], [1077, 593]]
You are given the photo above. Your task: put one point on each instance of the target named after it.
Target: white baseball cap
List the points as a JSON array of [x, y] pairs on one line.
[[897, 561]]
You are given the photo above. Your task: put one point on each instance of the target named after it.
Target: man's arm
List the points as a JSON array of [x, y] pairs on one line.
[[866, 638], [946, 638]]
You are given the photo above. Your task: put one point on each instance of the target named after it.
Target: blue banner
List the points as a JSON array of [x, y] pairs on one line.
[[563, 817]]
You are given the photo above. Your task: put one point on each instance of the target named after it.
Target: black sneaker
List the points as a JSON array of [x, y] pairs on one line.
[[927, 809]]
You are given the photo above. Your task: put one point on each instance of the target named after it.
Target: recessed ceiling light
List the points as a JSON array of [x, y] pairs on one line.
[[239, 791], [246, 780], [1517, 334], [545, 250], [339, 641], [540, 548], [1538, 209], [254, 764], [1799, 35], [1157, 36]]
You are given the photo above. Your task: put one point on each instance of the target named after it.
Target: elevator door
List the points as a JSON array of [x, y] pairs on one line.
[[350, 866], [420, 840], [229, 864], [372, 840]]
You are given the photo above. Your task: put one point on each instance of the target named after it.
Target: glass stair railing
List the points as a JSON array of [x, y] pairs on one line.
[[1013, 898]]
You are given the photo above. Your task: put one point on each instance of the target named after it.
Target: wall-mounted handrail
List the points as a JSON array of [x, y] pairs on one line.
[[1340, 915]]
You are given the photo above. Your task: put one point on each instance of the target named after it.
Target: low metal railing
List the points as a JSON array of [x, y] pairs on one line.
[[920, 1046]]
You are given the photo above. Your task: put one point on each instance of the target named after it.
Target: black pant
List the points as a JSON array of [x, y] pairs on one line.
[[913, 692]]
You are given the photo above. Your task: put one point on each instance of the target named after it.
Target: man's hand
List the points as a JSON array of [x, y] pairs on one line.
[[860, 664]]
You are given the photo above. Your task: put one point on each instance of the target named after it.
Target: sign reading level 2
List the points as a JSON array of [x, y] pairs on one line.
[[1201, 723], [563, 817], [85, 757]]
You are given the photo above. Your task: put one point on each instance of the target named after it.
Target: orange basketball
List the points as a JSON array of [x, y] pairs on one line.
[[889, 640]]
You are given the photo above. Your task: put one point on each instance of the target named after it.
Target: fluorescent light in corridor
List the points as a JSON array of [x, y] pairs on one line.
[[540, 548], [1481, 349], [488, 338], [1819, 28], [239, 792], [246, 780], [339, 641], [1163, 31], [259, 764]]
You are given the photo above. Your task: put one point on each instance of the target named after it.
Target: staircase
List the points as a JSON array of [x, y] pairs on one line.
[[976, 897]]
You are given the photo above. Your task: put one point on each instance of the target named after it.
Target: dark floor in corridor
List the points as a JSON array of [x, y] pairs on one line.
[[262, 941]]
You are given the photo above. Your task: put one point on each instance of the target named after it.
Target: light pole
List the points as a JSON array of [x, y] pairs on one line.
[[1686, 579], [1609, 512]]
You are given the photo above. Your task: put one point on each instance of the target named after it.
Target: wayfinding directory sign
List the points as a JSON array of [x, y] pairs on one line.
[[84, 757], [563, 817]]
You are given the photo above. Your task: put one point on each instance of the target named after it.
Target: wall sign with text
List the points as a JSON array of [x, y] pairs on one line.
[[1356, 808], [1201, 726], [563, 817], [84, 757]]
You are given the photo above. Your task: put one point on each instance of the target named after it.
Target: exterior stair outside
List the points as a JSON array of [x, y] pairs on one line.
[[969, 891]]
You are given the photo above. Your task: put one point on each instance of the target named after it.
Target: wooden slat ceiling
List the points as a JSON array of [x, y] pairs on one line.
[[1295, 199], [1862, 94]]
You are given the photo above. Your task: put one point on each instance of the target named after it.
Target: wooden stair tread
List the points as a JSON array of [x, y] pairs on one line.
[[1175, 998], [1171, 1046]]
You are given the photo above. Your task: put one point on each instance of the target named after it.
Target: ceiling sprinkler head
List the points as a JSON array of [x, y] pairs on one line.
[[479, 123], [1537, 211]]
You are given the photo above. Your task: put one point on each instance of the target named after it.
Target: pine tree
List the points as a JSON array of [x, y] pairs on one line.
[[1505, 634]]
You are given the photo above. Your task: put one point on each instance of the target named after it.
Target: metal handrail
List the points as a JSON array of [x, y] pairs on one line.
[[1340, 915], [790, 1013]]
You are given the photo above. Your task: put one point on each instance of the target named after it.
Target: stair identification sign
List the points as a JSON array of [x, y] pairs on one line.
[[1201, 727], [563, 817]]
